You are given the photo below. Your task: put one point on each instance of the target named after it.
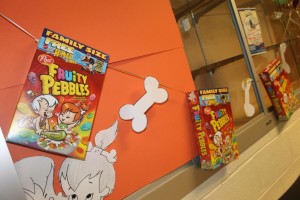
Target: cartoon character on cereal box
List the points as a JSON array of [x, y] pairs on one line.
[[43, 106], [218, 141], [71, 115], [228, 151], [89, 63]]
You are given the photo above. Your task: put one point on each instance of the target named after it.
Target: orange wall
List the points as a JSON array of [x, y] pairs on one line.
[[142, 40]]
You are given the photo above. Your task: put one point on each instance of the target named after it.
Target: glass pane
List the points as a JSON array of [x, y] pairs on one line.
[[215, 56], [279, 24]]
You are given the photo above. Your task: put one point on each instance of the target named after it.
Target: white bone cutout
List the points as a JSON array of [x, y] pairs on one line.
[[285, 65], [248, 107], [137, 111]]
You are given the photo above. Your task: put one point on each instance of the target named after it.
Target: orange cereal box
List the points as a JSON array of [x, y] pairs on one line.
[[213, 126], [57, 106]]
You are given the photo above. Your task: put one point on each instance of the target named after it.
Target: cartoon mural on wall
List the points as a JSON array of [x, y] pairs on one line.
[[167, 124], [92, 178]]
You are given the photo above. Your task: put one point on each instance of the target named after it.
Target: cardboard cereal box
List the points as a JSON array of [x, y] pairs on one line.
[[279, 89], [214, 126], [57, 105]]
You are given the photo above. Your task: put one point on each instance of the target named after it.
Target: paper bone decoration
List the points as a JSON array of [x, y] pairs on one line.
[[137, 111], [248, 107], [285, 65]]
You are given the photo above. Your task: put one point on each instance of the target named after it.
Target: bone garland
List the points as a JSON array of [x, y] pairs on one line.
[[248, 107], [285, 65], [137, 111], [19, 27]]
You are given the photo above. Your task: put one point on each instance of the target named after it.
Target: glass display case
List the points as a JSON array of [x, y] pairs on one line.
[[280, 27], [218, 54]]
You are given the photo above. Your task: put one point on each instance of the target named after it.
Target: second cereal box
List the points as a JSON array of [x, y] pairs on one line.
[[279, 89], [213, 126]]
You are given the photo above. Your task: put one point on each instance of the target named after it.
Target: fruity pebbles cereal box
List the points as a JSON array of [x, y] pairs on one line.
[[57, 106], [279, 89], [213, 126]]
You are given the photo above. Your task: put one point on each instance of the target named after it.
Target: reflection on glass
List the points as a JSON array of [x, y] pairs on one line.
[[215, 57], [280, 26]]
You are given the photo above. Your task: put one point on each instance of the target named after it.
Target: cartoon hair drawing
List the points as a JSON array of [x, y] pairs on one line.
[[92, 178], [80, 180], [52, 101], [79, 109], [36, 178]]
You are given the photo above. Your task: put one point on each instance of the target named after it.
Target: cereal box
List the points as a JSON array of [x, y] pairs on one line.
[[214, 126], [57, 105], [279, 89]]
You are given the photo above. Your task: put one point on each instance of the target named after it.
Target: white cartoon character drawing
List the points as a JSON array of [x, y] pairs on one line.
[[92, 178]]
